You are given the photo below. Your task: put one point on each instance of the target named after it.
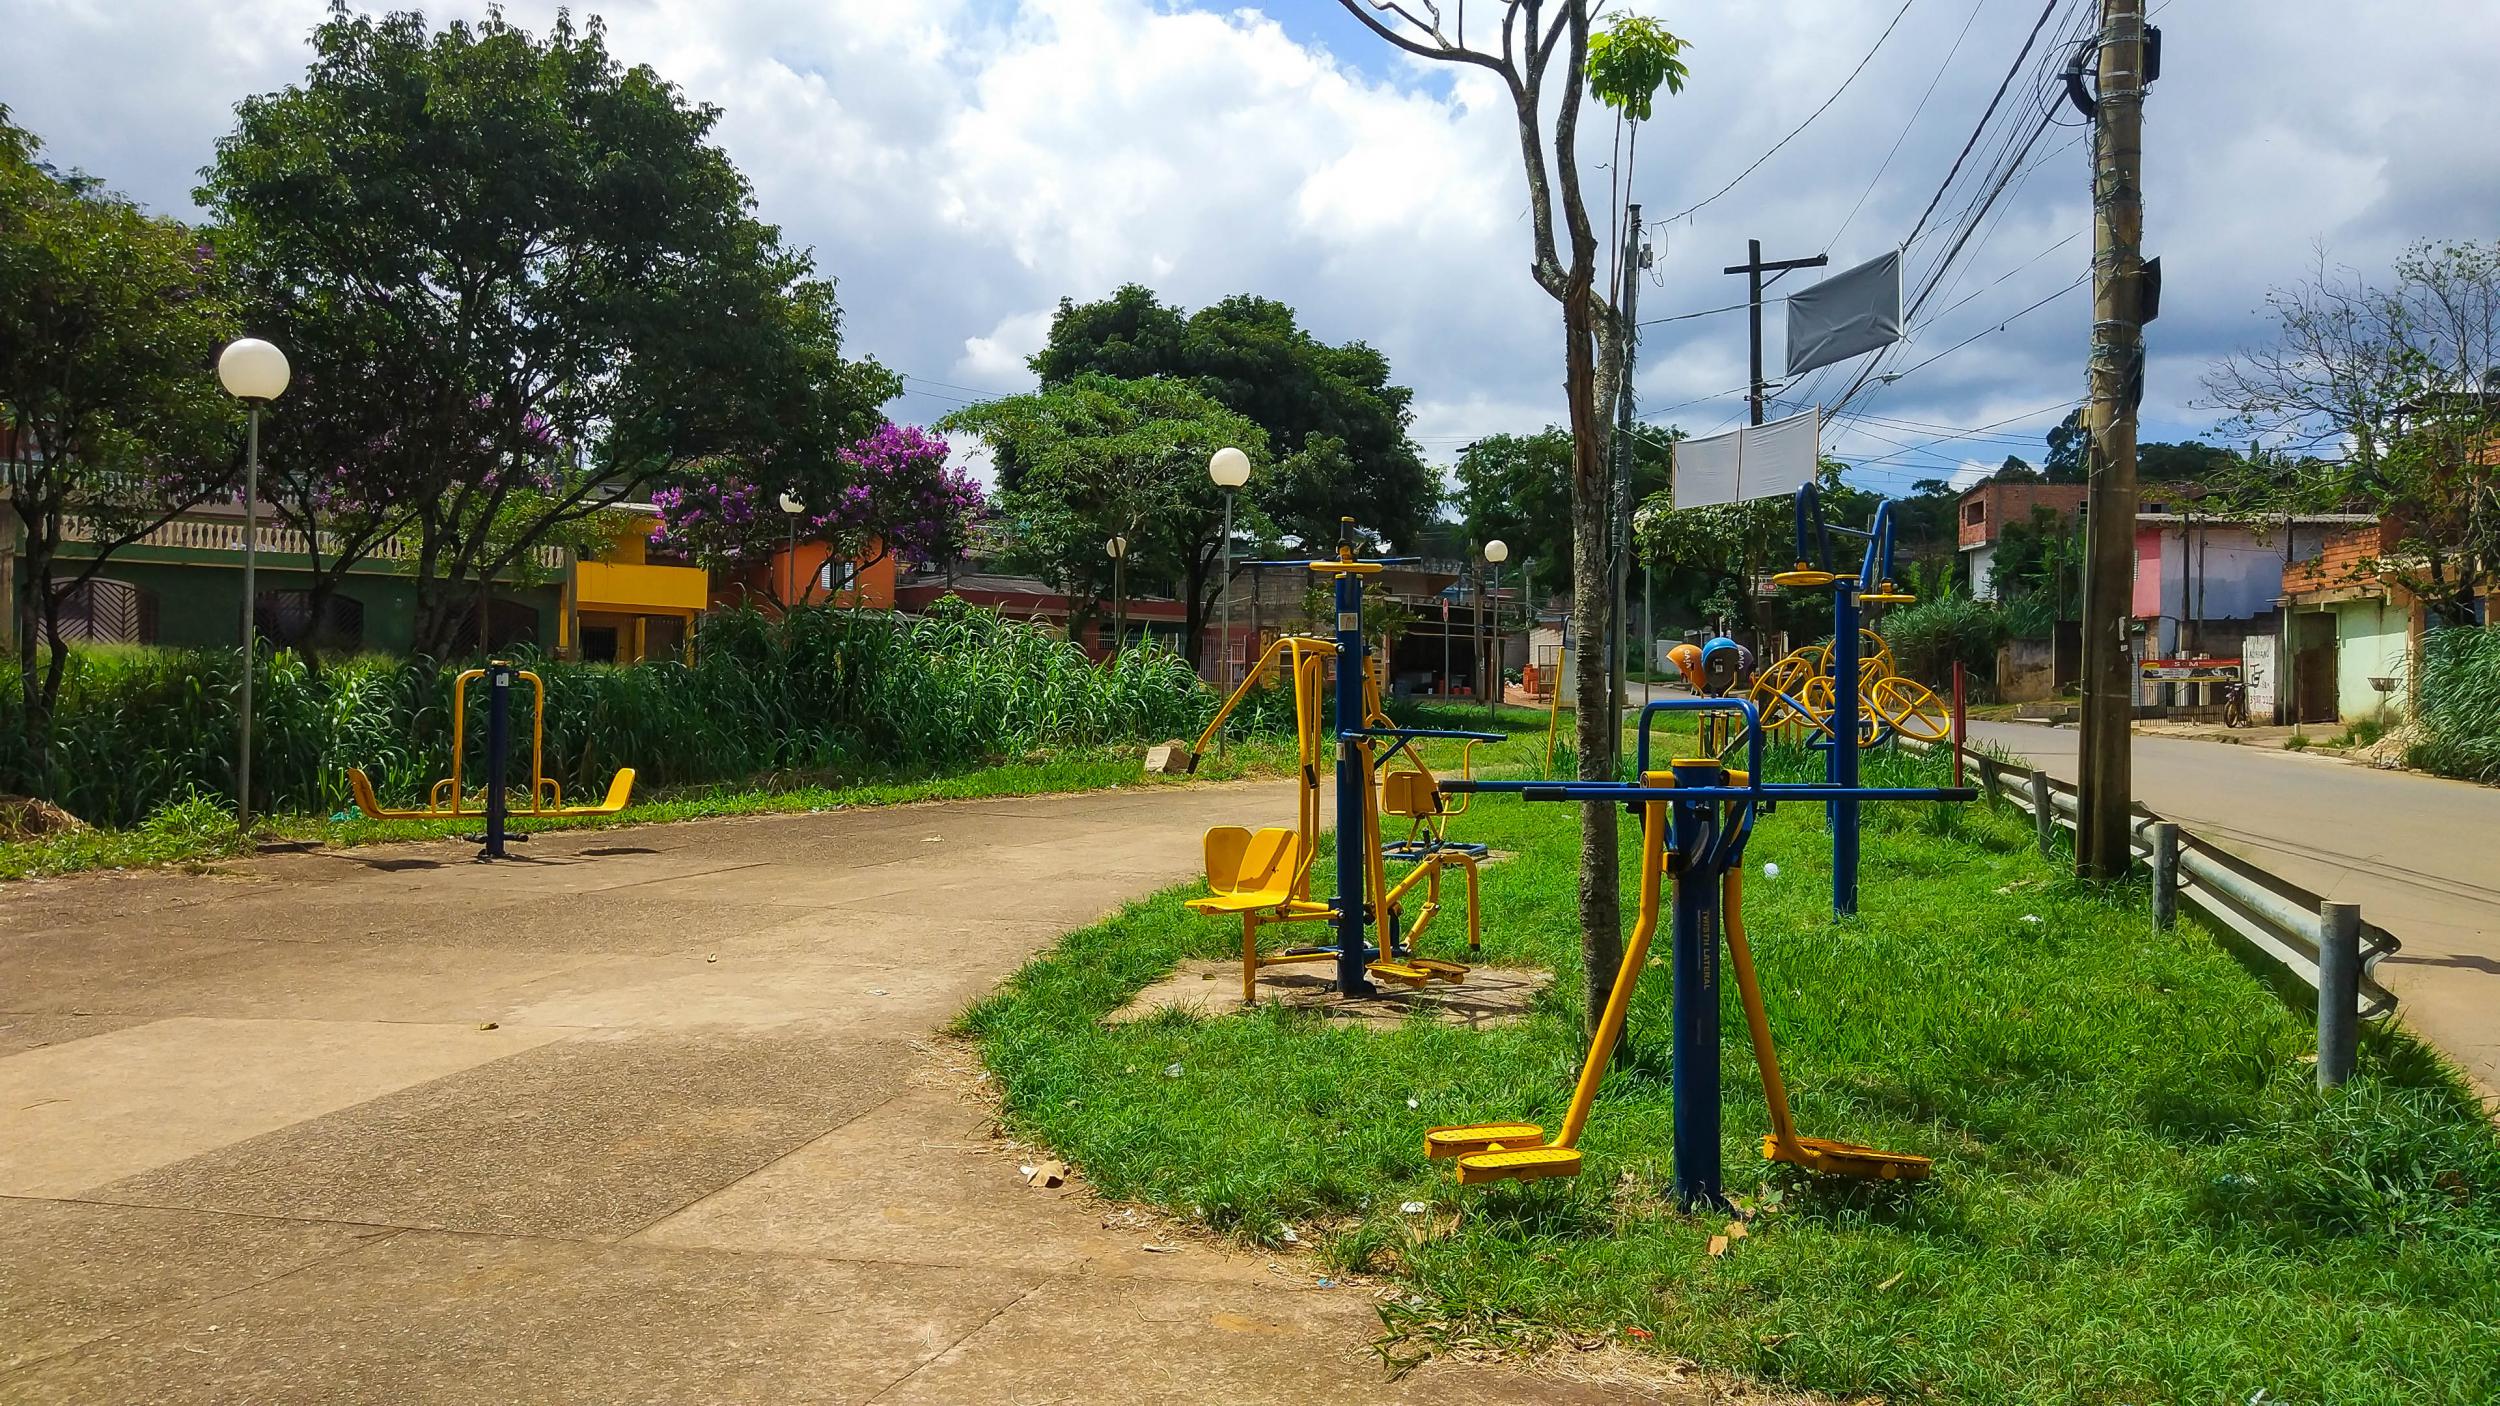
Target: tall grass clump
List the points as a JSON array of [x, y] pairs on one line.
[[824, 693], [2459, 688], [1928, 638]]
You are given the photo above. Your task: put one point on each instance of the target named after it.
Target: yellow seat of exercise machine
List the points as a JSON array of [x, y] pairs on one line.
[[1461, 1139], [1250, 871], [1416, 971], [1518, 1164]]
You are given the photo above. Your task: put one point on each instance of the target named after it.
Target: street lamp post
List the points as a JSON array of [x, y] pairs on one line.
[[1117, 547], [1496, 551], [1230, 468], [791, 508], [254, 372]]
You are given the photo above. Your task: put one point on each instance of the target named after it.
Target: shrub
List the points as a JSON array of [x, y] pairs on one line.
[[2459, 687], [1929, 637], [827, 692]]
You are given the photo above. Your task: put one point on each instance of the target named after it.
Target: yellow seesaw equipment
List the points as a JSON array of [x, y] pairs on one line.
[[448, 798], [1264, 876]]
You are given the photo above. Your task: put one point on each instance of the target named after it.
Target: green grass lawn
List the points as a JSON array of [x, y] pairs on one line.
[[2138, 1195], [199, 832]]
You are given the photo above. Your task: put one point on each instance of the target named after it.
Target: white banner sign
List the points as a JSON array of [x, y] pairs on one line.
[[1758, 461]]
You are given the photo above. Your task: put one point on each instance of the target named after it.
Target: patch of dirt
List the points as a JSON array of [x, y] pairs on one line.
[[1488, 996]]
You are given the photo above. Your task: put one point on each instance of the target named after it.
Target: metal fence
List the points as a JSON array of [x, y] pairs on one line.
[[2324, 944]]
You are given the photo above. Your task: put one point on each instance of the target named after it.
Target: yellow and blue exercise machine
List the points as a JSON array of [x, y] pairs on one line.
[[1696, 815], [1846, 689], [447, 799], [1264, 876]]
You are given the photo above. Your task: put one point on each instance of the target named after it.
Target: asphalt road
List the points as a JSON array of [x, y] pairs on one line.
[[2420, 854]]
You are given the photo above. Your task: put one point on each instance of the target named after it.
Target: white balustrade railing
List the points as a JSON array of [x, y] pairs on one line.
[[219, 535]]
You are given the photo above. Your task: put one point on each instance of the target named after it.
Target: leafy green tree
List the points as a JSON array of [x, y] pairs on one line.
[[2038, 567], [1518, 488], [1333, 419], [517, 281], [111, 418], [1097, 457], [2065, 461]]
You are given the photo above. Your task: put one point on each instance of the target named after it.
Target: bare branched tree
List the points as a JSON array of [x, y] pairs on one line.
[[2387, 400], [1541, 58]]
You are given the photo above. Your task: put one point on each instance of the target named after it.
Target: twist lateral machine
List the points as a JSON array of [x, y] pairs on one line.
[[1872, 585], [1264, 877], [1696, 816]]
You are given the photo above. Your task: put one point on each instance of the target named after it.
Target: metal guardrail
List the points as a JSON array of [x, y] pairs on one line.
[[2324, 944]]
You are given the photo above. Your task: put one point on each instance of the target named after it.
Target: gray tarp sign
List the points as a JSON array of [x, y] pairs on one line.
[[1853, 311]]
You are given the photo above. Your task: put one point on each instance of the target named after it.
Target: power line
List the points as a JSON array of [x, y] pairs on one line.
[[1886, 164], [2016, 67], [1800, 127]]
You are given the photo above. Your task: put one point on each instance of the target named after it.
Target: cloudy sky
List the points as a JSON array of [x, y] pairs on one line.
[[960, 165]]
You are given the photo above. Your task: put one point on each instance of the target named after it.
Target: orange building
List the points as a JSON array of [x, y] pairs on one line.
[[812, 575]]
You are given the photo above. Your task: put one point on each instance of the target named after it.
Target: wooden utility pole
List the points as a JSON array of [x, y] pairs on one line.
[[2103, 844], [1756, 389]]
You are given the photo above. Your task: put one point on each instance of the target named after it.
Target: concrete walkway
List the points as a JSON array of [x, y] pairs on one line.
[[2420, 854], [658, 1114]]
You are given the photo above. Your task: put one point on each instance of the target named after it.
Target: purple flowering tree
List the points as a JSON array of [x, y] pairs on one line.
[[889, 493]]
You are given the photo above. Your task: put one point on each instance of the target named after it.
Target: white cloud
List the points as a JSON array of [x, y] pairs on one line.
[[961, 166]]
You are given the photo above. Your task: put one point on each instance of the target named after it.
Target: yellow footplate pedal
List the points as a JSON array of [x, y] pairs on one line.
[[1464, 1138], [1518, 1164], [1439, 970], [1404, 973]]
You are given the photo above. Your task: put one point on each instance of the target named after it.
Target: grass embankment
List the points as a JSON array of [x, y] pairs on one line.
[[199, 832], [2138, 1196]]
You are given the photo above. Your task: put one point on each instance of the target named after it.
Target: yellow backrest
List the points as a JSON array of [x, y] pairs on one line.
[[1409, 793]]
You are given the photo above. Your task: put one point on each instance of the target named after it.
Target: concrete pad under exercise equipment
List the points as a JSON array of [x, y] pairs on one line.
[[1489, 996]]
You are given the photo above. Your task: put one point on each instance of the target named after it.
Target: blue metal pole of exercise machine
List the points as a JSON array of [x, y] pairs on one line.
[[1841, 763], [1353, 914], [498, 742], [1695, 963]]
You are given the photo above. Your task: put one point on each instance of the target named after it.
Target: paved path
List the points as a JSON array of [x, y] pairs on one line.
[[2420, 854], [657, 1115]]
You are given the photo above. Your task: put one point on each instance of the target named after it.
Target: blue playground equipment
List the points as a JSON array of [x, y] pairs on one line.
[[1696, 815], [1264, 877], [1842, 724]]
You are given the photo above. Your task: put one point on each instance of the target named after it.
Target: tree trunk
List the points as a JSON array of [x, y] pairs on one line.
[[1592, 626]]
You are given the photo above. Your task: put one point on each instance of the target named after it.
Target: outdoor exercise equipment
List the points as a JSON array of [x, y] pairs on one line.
[[447, 800], [1846, 689], [1264, 876], [1696, 816]]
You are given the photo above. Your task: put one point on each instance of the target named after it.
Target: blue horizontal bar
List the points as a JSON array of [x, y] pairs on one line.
[[1775, 791], [1424, 732]]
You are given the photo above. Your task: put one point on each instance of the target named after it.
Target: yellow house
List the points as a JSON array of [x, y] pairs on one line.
[[629, 604]]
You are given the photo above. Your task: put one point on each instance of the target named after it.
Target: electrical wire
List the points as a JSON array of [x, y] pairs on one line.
[[1904, 135], [2015, 68], [1756, 163]]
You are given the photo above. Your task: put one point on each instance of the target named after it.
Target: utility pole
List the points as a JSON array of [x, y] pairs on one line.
[[2103, 844], [1755, 386], [1628, 302]]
